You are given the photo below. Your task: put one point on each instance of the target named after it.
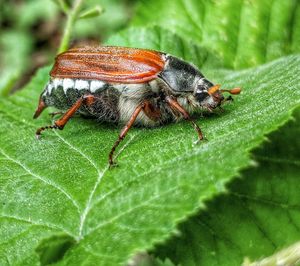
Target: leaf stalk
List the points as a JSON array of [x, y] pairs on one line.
[[72, 17]]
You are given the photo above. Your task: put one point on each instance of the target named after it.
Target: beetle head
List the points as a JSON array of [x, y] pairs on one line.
[[209, 96]]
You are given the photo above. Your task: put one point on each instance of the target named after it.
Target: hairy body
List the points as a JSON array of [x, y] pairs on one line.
[[114, 102]]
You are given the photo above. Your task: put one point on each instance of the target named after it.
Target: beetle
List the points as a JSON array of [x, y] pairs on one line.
[[130, 86]]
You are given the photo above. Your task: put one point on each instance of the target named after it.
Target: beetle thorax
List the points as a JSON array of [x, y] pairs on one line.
[[180, 76]]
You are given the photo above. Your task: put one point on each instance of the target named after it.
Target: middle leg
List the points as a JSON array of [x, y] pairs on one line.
[[149, 110], [124, 131]]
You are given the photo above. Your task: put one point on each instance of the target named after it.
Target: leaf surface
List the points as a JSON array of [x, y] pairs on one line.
[[61, 187], [259, 216], [243, 33]]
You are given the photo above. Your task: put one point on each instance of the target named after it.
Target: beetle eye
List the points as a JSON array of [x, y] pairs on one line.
[[201, 96]]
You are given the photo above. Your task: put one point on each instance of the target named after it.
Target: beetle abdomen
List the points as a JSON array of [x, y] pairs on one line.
[[114, 102], [63, 93], [77, 84]]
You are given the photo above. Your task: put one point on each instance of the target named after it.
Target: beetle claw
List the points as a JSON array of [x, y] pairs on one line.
[[229, 99], [113, 165], [200, 140], [221, 109], [196, 142]]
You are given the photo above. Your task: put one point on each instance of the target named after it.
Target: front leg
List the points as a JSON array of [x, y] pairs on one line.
[[172, 102]]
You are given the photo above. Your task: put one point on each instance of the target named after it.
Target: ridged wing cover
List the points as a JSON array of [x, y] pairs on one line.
[[109, 63]]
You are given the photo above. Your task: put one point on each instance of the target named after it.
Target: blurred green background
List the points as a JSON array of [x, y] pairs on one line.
[[31, 30], [241, 33]]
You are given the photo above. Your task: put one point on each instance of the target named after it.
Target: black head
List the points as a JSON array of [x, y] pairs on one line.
[[207, 94]]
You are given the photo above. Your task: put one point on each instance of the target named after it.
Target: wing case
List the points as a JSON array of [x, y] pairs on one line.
[[109, 63]]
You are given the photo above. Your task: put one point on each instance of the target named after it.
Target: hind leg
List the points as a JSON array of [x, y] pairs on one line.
[[86, 100], [41, 107]]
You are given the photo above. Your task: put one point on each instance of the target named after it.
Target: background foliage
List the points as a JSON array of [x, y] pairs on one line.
[[60, 204]]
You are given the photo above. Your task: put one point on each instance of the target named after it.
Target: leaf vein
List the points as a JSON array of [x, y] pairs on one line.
[[34, 223], [116, 217], [42, 179], [89, 205]]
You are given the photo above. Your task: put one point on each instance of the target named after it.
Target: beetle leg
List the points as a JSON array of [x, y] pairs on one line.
[[56, 113], [60, 123], [41, 107], [229, 99], [175, 105], [152, 112], [124, 131]]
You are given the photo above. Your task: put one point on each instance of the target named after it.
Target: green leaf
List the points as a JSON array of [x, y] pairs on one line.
[[166, 41], [258, 217], [61, 185], [63, 5], [289, 256], [91, 13], [115, 17], [16, 40], [53, 249], [242, 33], [15, 46], [32, 12]]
